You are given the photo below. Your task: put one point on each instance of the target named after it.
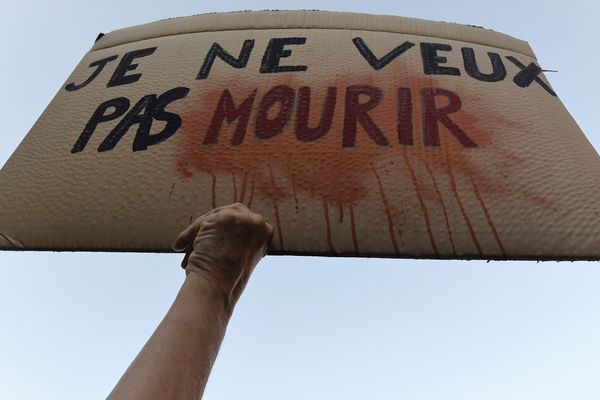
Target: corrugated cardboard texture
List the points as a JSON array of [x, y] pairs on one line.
[[353, 134]]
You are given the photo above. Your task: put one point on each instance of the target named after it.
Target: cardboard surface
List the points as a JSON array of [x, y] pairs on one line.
[[353, 134]]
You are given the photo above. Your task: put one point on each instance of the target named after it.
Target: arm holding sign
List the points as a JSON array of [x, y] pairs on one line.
[[222, 248]]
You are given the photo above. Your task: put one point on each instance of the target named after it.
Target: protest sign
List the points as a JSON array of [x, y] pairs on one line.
[[352, 134]]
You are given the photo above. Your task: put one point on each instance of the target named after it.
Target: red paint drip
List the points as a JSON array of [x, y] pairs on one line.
[[276, 209], [343, 178], [489, 218], [441, 199], [341, 211], [295, 194], [328, 226], [462, 207], [279, 232], [214, 190], [235, 194], [244, 180], [421, 202], [353, 225], [251, 196], [387, 209]]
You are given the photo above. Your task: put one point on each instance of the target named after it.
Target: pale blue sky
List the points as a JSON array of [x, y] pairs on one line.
[[306, 328]]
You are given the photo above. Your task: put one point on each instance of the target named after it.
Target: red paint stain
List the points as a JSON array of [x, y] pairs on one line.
[[295, 195], [328, 227], [276, 209], [301, 167], [251, 196], [482, 124], [213, 187], [400, 235], [235, 194], [538, 200], [331, 173], [489, 219], [421, 203], [462, 210], [243, 190], [387, 209], [353, 226], [444, 210], [292, 178], [278, 221]]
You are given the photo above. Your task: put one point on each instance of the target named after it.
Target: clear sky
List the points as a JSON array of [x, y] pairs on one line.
[[306, 328]]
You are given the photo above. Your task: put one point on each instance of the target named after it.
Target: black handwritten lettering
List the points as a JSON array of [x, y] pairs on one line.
[[149, 108], [143, 138], [119, 105], [379, 63], [217, 51], [529, 74], [276, 51], [432, 61], [99, 64], [120, 76], [498, 71]]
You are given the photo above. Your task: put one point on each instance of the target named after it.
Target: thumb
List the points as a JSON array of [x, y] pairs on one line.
[[186, 237]]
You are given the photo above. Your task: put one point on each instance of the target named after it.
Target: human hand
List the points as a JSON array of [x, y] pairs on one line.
[[223, 246]]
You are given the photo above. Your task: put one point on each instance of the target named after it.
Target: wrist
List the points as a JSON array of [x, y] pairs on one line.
[[208, 292]]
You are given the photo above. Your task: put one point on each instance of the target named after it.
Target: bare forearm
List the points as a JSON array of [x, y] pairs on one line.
[[177, 359], [222, 248]]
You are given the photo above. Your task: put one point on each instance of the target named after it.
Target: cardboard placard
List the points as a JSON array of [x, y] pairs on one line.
[[353, 134]]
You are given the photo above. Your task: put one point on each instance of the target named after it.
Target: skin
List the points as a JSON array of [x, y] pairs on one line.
[[222, 248]]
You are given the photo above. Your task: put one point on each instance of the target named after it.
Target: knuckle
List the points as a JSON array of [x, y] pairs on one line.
[[226, 217], [257, 219], [239, 205], [270, 229], [221, 217]]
